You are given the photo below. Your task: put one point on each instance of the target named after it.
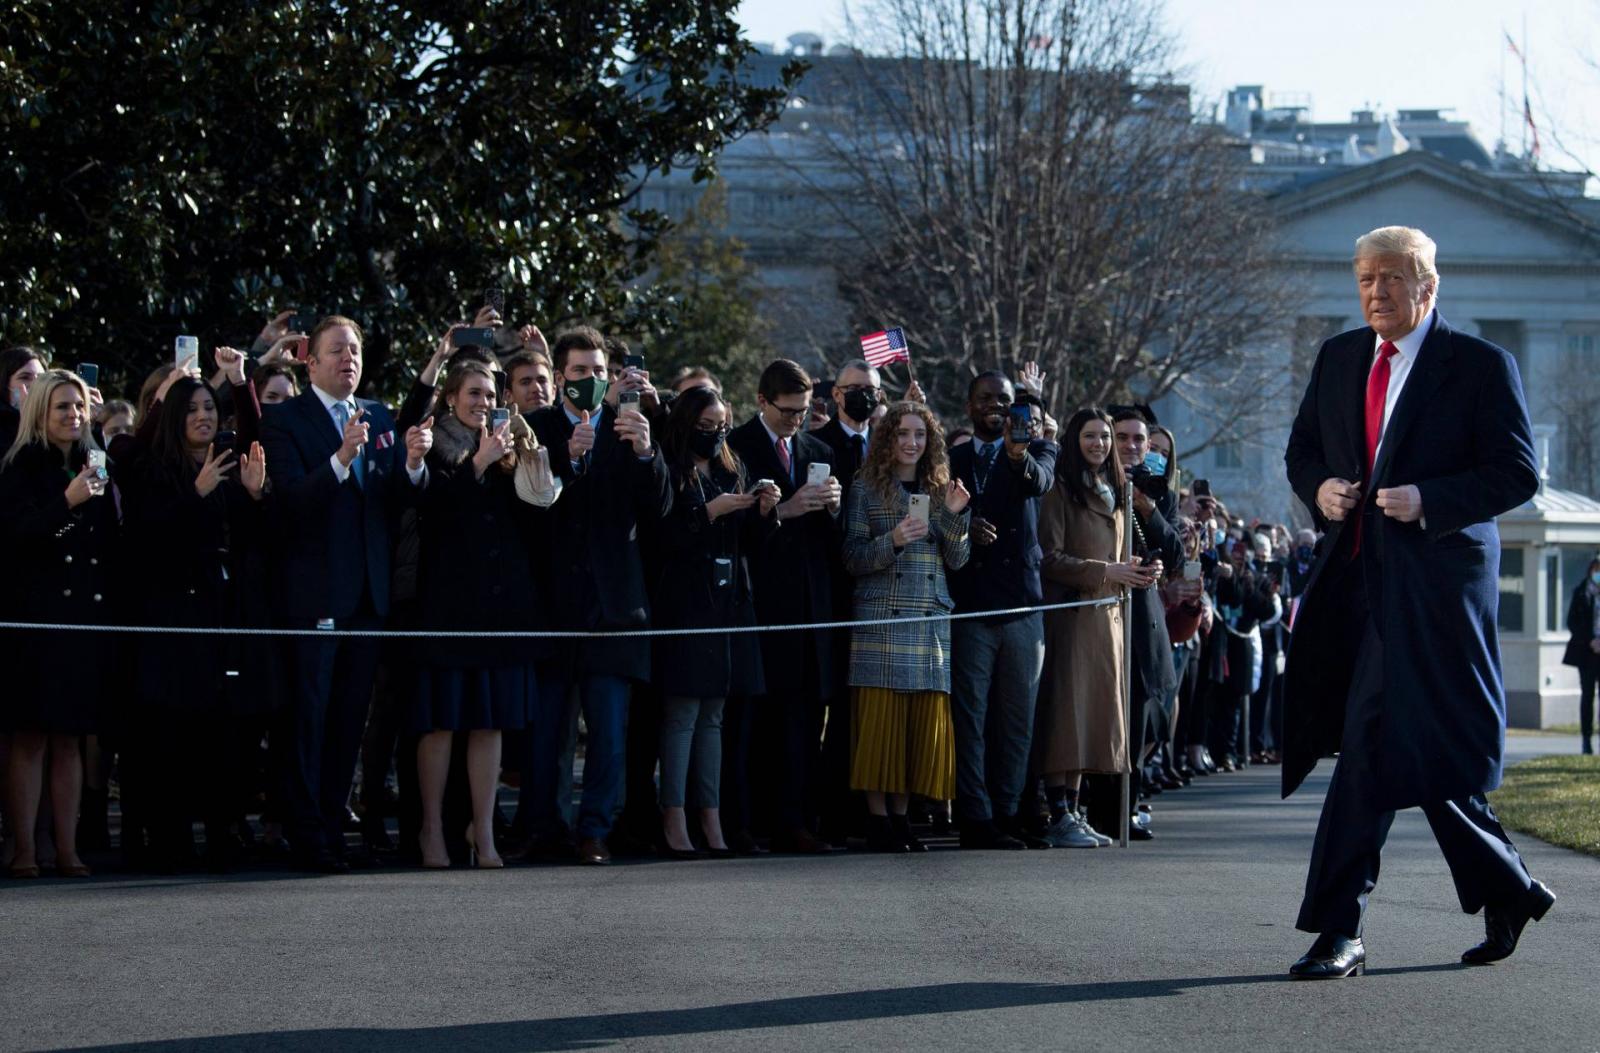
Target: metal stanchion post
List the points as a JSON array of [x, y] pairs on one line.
[[1126, 607]]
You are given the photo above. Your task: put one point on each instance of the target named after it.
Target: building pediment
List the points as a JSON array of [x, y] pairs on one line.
[[1472, 216]]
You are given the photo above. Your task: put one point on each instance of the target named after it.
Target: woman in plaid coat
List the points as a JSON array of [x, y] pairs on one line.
[[900, 671]]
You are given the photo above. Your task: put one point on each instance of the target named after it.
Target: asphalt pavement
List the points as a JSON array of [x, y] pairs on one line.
[[1181, 943]]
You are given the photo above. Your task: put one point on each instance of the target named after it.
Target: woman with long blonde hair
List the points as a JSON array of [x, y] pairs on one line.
[[54, 512], [905, 525]]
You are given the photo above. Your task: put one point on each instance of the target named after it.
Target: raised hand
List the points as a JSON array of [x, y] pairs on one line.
[[633, 427], [486, 316], [419, 440], [253, 471], [914, 393], [231, 364], [582, 440], [532, 340], [355, 437], [277, 326], [1032, 379], [214, 471], [956, 497]]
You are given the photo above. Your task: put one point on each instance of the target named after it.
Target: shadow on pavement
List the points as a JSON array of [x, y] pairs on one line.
[[585, 1032]]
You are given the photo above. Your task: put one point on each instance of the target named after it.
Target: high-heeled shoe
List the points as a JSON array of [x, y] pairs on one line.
[[474, 859], [23, 873], [72, 870], [422, 846], [666, 851]]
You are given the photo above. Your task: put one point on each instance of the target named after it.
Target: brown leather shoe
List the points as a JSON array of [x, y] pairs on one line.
[[592, 851]]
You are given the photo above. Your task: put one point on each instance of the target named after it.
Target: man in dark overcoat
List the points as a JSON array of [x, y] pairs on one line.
[[1411, 438]]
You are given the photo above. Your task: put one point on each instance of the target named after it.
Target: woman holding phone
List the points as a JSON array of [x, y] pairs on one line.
[[906, 523], [475, 573], [201, 506], [57, 518], [1081, 726], [703, 584]]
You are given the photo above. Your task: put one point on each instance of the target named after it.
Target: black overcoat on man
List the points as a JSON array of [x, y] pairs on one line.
[[1459, 432]]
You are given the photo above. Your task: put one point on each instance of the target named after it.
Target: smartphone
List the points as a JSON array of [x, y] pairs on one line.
[[1201, 488], [302, 323], [762, 484], [919, 507], [1192, 570], [627, 400], [90, 373], [302, 348], [494, 297], [498, 416], [1021, 424], [633, 362], [472, 336], [817, 473], [186, 349], [97, 462]]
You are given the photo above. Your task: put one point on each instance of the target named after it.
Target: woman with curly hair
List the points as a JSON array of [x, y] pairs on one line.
[[905, 524]]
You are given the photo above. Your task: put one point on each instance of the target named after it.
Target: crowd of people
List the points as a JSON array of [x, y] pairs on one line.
[[742, 627]]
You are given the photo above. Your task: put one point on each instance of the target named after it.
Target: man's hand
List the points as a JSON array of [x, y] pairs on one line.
[[355, 437], [806, 499], [1016, 450], [1336, 497], [1031, 379], [419, 440], [1401, 502], [983, 532], [532, 340], [1142, 503], [634, 428], [276, 328], [486, 318], [832, 494], [582, 440]]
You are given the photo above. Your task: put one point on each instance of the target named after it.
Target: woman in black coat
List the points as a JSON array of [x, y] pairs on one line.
[[19, 367], [1583, 650], [703, 583], [61, 528], [475, 572], [195, 516]]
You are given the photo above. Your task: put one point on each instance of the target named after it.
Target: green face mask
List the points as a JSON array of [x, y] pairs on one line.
[[585, 394]]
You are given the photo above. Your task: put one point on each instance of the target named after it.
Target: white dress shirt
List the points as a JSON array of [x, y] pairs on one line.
[[341, 471], [1406, 350]]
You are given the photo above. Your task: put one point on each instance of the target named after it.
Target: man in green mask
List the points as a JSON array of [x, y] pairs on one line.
[[614, 480]]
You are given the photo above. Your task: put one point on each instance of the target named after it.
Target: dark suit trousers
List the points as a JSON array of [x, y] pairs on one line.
[[1353, 827], [331, 689]]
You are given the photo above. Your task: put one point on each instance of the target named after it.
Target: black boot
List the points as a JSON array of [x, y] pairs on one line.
[[881, 837]]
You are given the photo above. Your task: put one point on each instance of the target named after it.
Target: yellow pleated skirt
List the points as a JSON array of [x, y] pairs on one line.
[[902, 742]]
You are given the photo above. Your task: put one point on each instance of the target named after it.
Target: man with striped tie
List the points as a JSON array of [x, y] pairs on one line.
[[1411, 438]]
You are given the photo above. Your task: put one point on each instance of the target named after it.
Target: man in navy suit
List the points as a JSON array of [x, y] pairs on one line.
[[996, 662], [1411, 438], [339, 478]]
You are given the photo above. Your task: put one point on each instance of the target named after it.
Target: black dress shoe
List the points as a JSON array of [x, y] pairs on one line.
[[1331, 957], [986, 834], [1504, 925], [1014, 827], [322, 861]]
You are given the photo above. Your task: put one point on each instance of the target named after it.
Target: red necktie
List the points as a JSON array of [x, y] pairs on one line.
[[783, 453], [1377, 399]]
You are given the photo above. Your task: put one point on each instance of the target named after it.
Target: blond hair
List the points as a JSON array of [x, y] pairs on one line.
[[1409, 242], [35, 413]]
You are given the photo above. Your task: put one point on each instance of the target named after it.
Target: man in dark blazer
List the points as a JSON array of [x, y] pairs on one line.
[[995, 663], [793, 584], [614, 481], [856, 393], [339, 480], [1411, 438]]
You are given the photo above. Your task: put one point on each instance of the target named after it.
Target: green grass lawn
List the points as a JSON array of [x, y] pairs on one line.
[[1556, 729], [1556, 799]]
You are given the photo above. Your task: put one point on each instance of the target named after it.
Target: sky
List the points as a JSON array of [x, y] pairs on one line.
[[1355, 54]]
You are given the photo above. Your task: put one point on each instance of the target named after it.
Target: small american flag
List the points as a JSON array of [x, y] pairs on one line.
[[880, 349]]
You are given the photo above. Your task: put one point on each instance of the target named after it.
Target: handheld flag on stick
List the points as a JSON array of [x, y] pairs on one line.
[[882, 348]]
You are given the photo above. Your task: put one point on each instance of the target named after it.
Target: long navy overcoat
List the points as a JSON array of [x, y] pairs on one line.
[[1459, 433]]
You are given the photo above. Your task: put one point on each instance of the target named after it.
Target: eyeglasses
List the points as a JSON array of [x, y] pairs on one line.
[[793, 413]]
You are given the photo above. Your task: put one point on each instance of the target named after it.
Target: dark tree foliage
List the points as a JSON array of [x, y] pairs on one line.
[[170, 167]]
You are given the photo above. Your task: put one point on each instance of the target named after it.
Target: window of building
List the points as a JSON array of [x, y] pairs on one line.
[[1553, 595], [1510, 334], [1228, 456], [1513, 585]]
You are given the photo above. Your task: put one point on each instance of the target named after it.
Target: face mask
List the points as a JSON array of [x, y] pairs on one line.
[[1304, 552], [858, 405], [1156, 462], [585, 394], [1219, 537], [706, 445], [1595, 577]]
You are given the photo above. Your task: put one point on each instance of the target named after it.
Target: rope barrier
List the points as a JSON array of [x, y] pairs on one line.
[[530, 634]]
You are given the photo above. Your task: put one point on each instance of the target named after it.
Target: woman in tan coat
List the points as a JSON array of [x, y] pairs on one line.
[[1081, 725]]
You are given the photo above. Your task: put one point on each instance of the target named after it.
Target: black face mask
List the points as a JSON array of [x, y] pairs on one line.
[[858, 405], [1304, 554], [707, 444]]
